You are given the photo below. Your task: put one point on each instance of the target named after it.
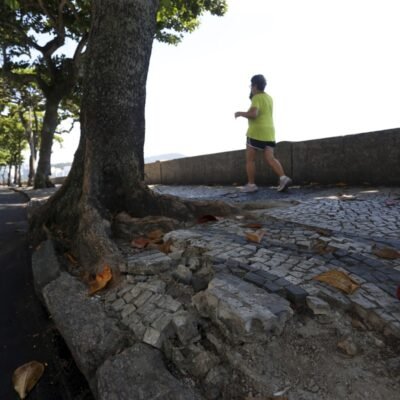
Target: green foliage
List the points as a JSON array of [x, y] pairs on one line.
[[21, 118], [176, 17], [12, 139]]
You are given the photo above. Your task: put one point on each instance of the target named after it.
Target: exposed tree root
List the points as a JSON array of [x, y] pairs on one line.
[[87, 228]]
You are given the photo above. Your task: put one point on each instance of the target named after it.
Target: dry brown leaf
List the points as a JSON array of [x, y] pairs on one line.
[[386, 252], [206, 218], [255, 236], [155, 235], [26, 376], [140, 243], [100, 281], [339, 280]]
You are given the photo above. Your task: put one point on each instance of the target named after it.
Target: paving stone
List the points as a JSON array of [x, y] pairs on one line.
[[118, 304], [373, 263], [170, 304], [131, 319], [334, 297], [317, 305], [271, 287], [143, 297], [241, 311], [163, 322], [152, 315], [145, 309], [379, 319], [296, 294], [282, 282], [153, 337], [138, 329], [148, 263], [267, 275], [124, 290], [254, 278], [128, 309], [185, 326], [156, 286]]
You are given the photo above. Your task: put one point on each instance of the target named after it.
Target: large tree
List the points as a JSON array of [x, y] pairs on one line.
[[25, 102], [106, 175], [32, 33]]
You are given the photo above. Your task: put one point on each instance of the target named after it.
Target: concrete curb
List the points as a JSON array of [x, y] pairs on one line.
[[101, 349]]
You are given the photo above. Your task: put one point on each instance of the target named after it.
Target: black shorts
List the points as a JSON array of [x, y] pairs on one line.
[[259, 144]]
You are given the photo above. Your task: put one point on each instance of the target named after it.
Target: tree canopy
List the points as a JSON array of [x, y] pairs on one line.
[[33, 34], [106, 177]]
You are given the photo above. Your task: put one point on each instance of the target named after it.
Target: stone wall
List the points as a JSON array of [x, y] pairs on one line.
[[372, 157]]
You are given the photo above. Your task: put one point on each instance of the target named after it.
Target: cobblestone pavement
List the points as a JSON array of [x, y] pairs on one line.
[[217, 291], [321, 229]]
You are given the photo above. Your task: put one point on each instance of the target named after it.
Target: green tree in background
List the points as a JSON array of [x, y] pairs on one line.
[[32, 34], [12, 143], [26, 102], [107, 173]]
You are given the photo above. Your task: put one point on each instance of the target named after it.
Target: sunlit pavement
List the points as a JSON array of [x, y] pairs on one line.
[[311, 230]]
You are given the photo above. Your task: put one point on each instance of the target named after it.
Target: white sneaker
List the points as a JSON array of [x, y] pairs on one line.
[[284, 183], [249, 188]]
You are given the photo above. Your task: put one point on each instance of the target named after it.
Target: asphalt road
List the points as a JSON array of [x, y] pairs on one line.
[[26, 331]]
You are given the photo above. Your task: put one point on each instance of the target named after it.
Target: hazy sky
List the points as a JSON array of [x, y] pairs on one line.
[[332, 68]]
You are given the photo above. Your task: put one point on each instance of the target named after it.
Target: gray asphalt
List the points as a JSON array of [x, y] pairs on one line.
[[26, 332]]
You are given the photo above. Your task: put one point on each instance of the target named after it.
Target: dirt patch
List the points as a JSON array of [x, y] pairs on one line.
[[320, 358]]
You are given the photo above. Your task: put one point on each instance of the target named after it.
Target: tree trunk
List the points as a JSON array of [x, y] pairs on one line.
[[32, 148], [107, 173], [50, 122], [9, 174], [15, 181]]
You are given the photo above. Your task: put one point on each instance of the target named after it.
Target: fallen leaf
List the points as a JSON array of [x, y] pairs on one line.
[[26, 376], [206, 218], [165, 247], [100, 281], [341, 184], [253, 225], [339, 280], [140, 243], [155, 235], [386, 252], [71, 259], [255, 236]]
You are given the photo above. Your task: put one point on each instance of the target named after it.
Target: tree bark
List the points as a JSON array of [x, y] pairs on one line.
[[50, 123], [107, 173], [32, 149]]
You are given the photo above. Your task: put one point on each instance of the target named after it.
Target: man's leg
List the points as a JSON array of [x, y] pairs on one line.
[[273, 162], [284, 181], [251, 164]]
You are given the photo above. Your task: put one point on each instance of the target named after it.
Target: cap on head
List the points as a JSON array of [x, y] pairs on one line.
[[259, 82]]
